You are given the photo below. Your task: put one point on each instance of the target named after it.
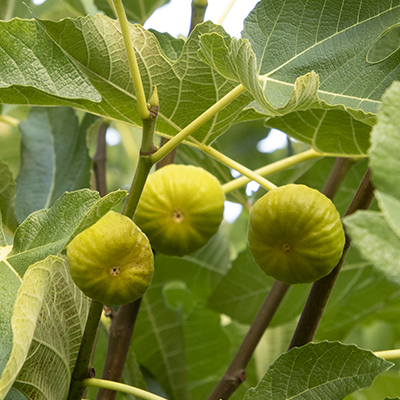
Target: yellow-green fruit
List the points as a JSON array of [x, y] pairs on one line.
[[295, 234], [180, 209], [112, 261]]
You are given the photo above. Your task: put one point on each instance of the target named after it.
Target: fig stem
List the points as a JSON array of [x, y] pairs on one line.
[[321, 290], [133, 66], [226, 12], [248, 173], [271, 169], [198, 11], [120, 387], [236, 372], [197, 123], [82, 368]]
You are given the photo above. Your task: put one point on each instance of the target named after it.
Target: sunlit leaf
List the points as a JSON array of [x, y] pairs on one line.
[[47, 323]]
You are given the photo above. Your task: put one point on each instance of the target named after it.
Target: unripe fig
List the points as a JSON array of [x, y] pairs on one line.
[[295, 234], [180, 209], [112, 261]]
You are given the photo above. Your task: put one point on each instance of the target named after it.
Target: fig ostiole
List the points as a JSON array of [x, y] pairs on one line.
[[112, 261], [180, 209], [295, 234]]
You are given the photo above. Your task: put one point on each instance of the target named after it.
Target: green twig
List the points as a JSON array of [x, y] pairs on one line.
[[133, 66], [198, 11], [226, 12], [388, 354], [120, 387], [271, 169], [82, 368], [251, 175], [197, 123]]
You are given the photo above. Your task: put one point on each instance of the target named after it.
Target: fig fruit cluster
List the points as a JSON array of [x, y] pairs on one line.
[[295, 234], [112, 261], [180, 209]]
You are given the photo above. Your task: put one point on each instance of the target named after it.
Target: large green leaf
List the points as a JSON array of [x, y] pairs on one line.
[[315, 61], [136, 11], [54, 158], [376, 241], [48, 231], [88, 69], [327, 370], [47, 323]]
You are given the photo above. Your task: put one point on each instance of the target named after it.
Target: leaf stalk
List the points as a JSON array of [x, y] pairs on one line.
[[133, 66], [120, 387], [271, 169], [197, 123]]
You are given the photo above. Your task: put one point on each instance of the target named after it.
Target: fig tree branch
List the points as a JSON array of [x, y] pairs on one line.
[[120, 335], [99, 160], [321, 290], [236, 372], [82, 368]]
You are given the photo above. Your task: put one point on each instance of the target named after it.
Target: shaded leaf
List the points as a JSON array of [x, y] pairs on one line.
[[376, 241], [320, 371], [385, 155], [54, 158]]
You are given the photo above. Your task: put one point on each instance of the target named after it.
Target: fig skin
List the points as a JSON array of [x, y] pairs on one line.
[[295, 234], [112, 261], [180, 209]]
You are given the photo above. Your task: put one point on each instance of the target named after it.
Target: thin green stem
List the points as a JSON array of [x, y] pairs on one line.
[[197, 123], [120, 387], [133, 66], [82, 368], [9, 120], [226, 12], [272, 168], [198, 11], [138, 183], [388, 354], [251, 175]]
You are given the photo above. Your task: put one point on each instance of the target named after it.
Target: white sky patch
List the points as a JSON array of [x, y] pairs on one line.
[[112, 137], [174, 17], [252, 187], [38, 2], [232, 211], [274, 141]]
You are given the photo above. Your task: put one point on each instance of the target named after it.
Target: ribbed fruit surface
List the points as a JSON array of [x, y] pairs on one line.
[[112, 261], [295, 234], [180, 209]]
